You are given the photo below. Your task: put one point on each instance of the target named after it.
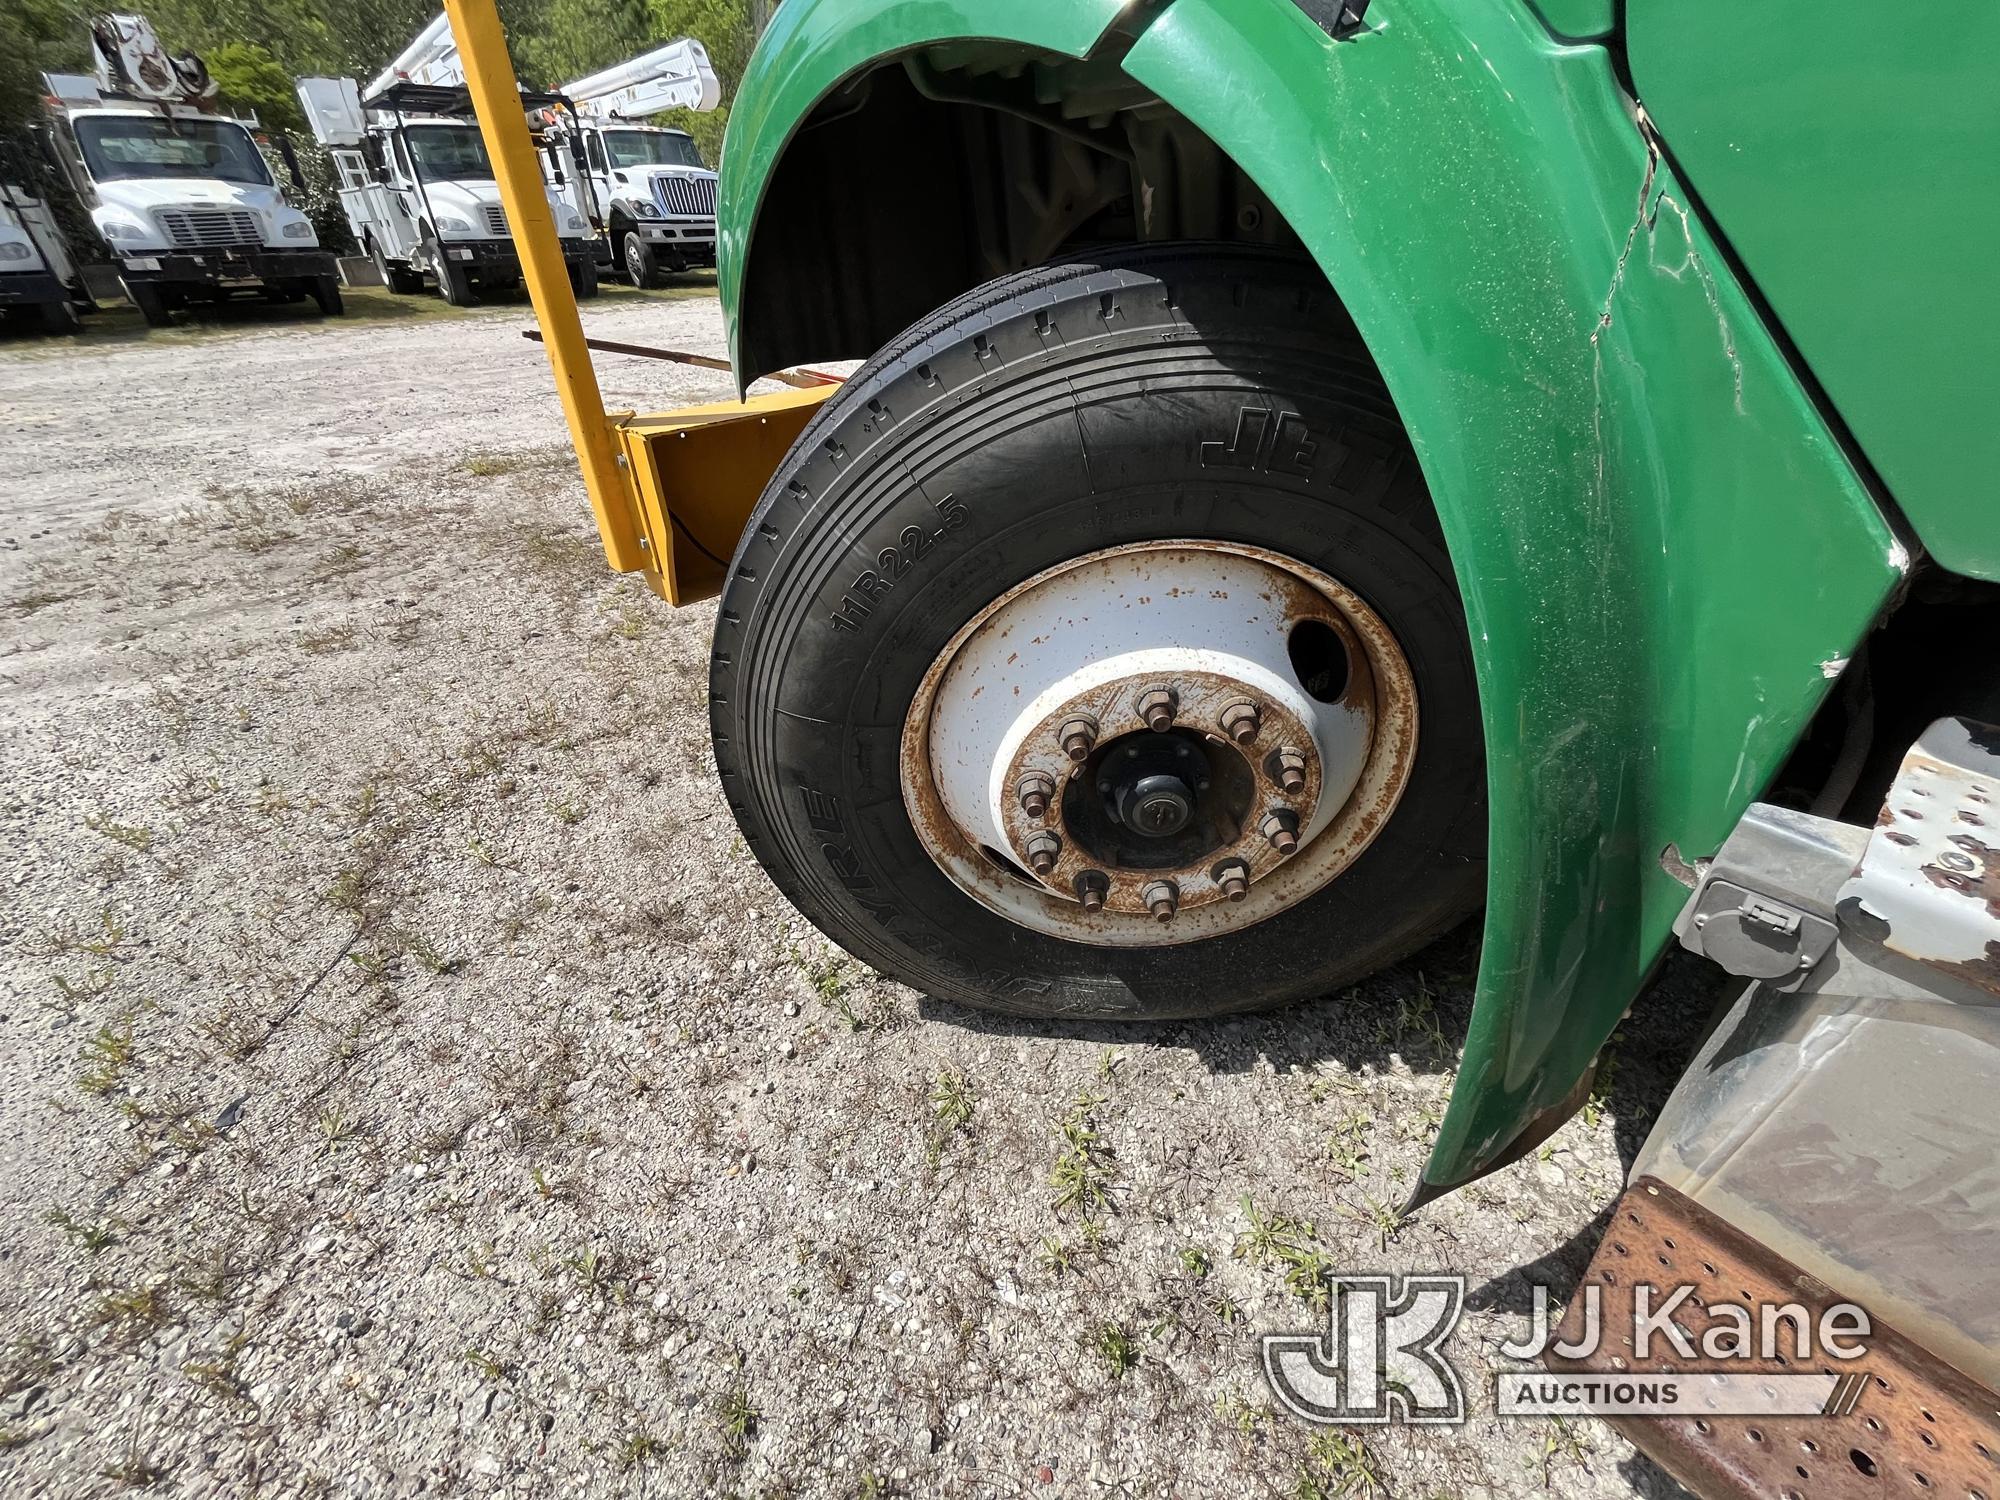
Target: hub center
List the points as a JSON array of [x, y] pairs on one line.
[[1156, 806]]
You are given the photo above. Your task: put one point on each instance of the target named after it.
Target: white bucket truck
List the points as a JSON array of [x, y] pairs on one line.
[[39, 281], [179, 192], [647, 192], [416, 181]]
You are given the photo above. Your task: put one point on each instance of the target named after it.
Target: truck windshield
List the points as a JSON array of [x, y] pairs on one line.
[[650, 148], [449, 153], [116, 146]]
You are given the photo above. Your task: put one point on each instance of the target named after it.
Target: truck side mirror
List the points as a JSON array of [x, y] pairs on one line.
[[289, 154]]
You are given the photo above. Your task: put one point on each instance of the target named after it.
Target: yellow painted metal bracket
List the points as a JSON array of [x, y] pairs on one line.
[[699, 472], [671, 492]]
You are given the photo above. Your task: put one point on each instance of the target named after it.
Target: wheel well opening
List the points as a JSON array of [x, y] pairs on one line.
[[948, 167]]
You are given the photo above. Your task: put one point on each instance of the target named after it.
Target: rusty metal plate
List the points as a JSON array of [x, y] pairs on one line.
[[1929, 884], [1917, 1427]]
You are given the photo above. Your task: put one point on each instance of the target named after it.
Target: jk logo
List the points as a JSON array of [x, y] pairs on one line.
[[1378, 1359]]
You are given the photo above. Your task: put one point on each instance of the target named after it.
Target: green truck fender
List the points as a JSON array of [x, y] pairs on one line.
[[1665, 556]]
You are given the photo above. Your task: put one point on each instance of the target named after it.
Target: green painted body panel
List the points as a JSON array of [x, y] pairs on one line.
[[1661, 549], [810, 46], [1578, 20], [1855, 168]]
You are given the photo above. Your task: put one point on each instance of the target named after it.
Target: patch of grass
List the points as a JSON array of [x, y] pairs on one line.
[[135, 1471], [1602, 1081], [38, 599], [1414, 1019], [1116, 1348], [736, 1419], [951, 1108], [334, 1128], [1338, 1467], [490, 1364], [91, 1238], [325, 642], [1291, 1245], [428, 955], [1347, 1144], [1084, 1168], [494, 462], [1231, 1408], [135, 836], [130, 1313], [219, 1374], [106, 1057], [1195, 1262], [1561, 1444], [637, 1449]]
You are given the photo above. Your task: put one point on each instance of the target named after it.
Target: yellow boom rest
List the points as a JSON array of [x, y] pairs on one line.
[[672, 491]]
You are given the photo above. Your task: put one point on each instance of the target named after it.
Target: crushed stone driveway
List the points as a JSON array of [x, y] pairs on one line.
[[410, 1085]]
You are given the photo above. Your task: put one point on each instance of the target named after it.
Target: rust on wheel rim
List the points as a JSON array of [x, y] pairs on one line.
[[1158, 743]]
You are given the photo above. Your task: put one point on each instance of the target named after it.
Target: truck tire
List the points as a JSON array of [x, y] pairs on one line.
[[641, 267], [325, 292], [1154, 510], [400, 280], [583, 278], [60, 317], [455, 284], [150, 301]]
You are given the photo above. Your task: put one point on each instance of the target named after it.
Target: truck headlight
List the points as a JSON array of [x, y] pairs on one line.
[[641, 208], [451, 225], [14, 250], [116, 230], [299, 229]]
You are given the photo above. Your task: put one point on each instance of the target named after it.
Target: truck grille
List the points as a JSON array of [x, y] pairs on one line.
[[496, 220], [209, 228], [692, 196]]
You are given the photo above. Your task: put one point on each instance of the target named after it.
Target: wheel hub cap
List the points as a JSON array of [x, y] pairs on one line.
[[1159, 743]]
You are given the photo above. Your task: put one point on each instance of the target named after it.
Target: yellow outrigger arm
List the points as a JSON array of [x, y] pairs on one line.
[[671, 491]]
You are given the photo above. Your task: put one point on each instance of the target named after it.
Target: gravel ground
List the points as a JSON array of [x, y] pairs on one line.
[[409, 1084]]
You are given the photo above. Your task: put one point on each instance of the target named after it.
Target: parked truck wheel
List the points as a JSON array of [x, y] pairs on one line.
[[454, 282], [150, 301], [325, 292], [60, 317], [1095, 652], [583, 278], [642, 267], [400, 280]]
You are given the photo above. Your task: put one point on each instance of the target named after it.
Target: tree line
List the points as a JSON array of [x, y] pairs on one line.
[[256, 48]]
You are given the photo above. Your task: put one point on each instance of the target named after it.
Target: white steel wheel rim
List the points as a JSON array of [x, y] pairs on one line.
[[1095, 641]]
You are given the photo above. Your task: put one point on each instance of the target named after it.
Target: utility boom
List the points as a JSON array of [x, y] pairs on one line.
[[676, 76], [416, 181], [177, 190]]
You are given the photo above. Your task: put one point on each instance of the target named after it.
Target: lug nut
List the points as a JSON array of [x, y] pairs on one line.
[[1091, 886], [1281, 827], [1077, 736], [1043, 850], [1233, 876], [1288, 769], [1163, 899], [1240, 722], [1035, 790], [1156, 707]]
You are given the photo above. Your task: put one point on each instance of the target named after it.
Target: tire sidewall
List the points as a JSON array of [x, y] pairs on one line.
[[934, 489]]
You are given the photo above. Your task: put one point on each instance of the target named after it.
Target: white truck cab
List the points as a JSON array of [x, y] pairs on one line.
[[179, 192], [416, 181], [645, 188], [651, 196], [38, 277]]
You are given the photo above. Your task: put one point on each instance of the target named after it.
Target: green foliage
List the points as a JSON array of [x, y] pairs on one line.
[[251, 79], [35, 36]]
